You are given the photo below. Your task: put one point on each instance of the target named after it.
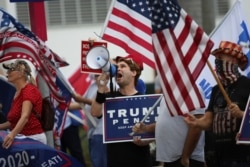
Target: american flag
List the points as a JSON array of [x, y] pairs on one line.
[[129, 27], [18, 42], [164, 35]]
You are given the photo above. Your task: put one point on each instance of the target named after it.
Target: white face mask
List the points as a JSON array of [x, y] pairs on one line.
[[227, 71]]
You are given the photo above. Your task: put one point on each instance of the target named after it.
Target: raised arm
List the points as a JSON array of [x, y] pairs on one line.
[[78, 98], [97, 104]]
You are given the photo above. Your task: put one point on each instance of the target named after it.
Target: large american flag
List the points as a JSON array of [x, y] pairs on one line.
[[164, 36], [18, 42]]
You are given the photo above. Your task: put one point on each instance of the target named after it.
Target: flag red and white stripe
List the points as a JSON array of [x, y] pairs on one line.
[[181, 53], [161, 32], [131, 31]]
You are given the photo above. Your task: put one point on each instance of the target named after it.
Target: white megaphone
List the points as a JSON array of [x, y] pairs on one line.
[[98, 58]]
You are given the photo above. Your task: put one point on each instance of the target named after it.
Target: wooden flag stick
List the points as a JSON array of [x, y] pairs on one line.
[[224, 93]]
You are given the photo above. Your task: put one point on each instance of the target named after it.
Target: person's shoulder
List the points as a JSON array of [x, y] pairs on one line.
[[113, 94], [31, 88], [244, 79], [215, 87]]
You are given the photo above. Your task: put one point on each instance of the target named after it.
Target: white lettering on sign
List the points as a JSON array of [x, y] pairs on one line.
[[126, 116], [85, 46], [17, 159], [84, 52], [125, 121], [115, 121], [52, 161], [85, 66], [122, 113], [132, 112], [111, 112]]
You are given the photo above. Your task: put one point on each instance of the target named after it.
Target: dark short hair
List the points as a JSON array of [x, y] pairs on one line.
[[132, 65]]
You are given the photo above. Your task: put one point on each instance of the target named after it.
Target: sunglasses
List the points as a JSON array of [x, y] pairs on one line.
[[12, 69], [16, 66]]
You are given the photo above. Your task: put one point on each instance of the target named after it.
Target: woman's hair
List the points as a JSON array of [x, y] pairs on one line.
[[23, 66]]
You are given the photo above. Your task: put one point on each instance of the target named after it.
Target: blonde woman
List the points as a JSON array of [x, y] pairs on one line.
[[21, 118]]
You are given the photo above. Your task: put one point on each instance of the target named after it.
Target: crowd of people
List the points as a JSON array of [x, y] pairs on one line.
[[205, 137]]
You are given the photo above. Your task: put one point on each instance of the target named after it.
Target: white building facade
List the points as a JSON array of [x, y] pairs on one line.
[[70, 23]]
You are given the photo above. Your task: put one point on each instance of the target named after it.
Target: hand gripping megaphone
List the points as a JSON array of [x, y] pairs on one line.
[[98, 58]]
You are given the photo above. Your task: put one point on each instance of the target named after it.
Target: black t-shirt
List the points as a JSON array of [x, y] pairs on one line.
[[127, 154], [225, 126]]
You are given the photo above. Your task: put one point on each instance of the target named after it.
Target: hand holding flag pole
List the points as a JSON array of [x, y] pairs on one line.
[[233, 15], [225, 95], [149, 112]]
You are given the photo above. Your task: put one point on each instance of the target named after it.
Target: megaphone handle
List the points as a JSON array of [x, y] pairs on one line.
[[111, 80]]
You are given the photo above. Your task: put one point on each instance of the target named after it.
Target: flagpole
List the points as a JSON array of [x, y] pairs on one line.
[[107, 18], [149, 112], [224, 93], [75, 118]]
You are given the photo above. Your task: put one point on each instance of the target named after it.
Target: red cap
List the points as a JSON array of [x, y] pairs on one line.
[[137, 60]]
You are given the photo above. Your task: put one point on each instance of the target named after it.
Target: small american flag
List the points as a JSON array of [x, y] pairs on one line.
[[164, 35]]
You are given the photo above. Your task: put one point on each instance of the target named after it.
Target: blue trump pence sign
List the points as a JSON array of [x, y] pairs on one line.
[[122, 113]]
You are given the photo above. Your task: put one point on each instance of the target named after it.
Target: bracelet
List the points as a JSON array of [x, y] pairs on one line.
[[100, 97]]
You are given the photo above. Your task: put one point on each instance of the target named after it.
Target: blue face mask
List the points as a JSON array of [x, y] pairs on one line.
[[227, 72]]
